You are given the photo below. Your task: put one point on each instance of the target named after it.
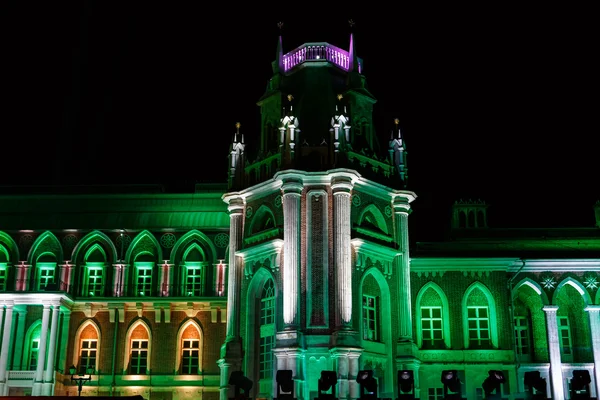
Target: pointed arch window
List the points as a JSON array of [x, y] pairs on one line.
[[143, 278], [193, 273], [87, 347], [433, 318], [371, 328], [267, 330], [564, 335], [93, 281], [479, 318], [138, 347], [34, 349], [189, 355], [3, 276], [46, 272]]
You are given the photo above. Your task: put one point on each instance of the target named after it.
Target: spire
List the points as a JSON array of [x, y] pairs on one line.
[[353, 59], [397, 149], [278, 67]]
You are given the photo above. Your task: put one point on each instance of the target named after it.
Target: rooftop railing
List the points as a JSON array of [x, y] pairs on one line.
[[318, 52]]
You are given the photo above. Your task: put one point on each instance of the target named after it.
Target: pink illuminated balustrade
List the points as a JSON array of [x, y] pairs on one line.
[[318, 52]]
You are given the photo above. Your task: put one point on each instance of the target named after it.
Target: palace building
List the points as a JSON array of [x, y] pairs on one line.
[[300, 262]]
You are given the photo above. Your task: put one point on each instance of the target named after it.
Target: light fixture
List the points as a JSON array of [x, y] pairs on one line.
[[492, 384], [535, 385], [240, 383], [580, 384], [368, 384], [327, 381], [285, 384], [406, 384], [452, 384], [80, 378]]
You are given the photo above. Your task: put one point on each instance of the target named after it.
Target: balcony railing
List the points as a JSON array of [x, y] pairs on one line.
[[310, 52]]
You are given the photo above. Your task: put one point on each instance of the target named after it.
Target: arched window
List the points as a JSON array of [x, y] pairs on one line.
[[45, 272], [87, 347], [138, 346], [479, 318], [267, 330], [93, 272], [189, 353], [4, 258], [192, 271], [32, 346], [433, 318], [143, 269]]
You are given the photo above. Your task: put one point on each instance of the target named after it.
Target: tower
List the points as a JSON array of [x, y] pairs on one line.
[[318, 251]]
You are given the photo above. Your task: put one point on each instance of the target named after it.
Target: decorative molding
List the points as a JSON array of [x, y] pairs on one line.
[[377, 253]]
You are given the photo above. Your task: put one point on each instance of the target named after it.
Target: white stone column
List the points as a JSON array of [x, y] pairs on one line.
[[64, 340], [49, 372], [234, 281], [594, 315], [20, 338], [6, 330], [402, 269], [292, 191], [554, 350], [117, 290], [342, 187], [39, 371], [165, 279]]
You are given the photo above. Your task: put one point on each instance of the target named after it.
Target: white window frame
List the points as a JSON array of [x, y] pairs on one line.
[[43, 266], [83, 368], [376, 331], [426, 317], [193, 291], [190, 348], [147, 289], [140, 350]]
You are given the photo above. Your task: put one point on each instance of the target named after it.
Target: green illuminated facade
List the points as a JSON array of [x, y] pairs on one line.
[[299, 261]]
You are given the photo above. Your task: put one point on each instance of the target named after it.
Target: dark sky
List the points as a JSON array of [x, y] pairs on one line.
[[496, 104]]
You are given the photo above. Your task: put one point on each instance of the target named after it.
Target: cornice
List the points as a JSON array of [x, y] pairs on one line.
[[463, 264]]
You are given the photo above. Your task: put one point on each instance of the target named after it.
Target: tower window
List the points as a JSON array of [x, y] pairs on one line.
[[370, 318]]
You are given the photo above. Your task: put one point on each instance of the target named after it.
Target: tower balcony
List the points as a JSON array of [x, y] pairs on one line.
[[318, 52]]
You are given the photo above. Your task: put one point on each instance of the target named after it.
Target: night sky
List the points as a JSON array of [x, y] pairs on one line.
[[496, 104]]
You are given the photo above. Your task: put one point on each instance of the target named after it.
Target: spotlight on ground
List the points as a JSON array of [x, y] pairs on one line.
[[535, 386], [580, 384], [491, 384], [406, 385], [452, 385], [368, 385], [241, 383], [327, 382], [285, 384]]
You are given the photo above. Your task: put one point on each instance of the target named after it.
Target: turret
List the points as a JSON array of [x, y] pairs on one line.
[[236, 156], [397, 149]]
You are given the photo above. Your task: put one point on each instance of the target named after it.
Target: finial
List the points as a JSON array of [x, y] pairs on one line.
[[290, 97], [351, 23], [237, 125], [280, 25], [340, 96], [396, 121]]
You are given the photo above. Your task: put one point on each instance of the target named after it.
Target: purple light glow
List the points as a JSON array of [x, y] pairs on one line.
[[318, 52]]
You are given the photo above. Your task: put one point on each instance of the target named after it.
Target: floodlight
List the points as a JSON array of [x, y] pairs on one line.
[[580, 384], [327, 381], [285, 384], [240, 382], [492, 384], [368, 384]]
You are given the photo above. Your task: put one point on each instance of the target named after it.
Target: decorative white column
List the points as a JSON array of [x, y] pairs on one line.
[[594, 315], [234, 281], [341, 188], [20, 338], [402, 268], [292, 190], [49, 372], [38, 379], [117, 280], [7, 329], [65, 276], [554, 350], [165, 279], [64, 340], [231, 350]]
